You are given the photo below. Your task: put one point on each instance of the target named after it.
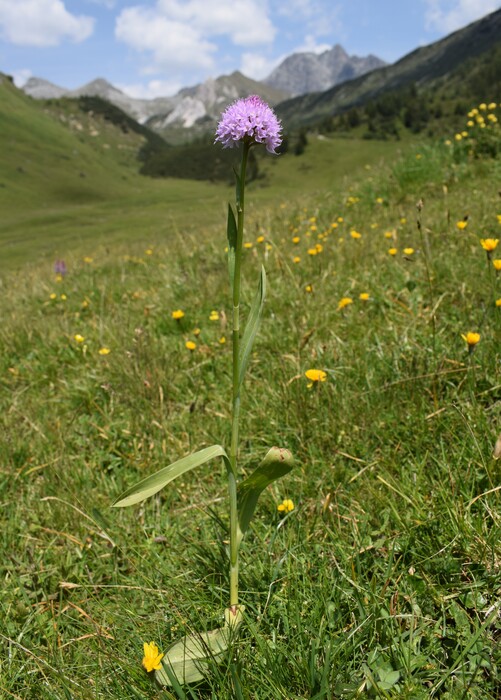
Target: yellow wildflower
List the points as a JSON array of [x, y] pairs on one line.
[[177, 315], [53, 296], [355, 234], [496, 263], [222, 340], [190, 345], [489, 244], [471, 338], [309, 288], [392, 251], [498, 302], [389, 234], [88, 259], [296, 259], [78, 338], [364, 296], [319, 247], [214, 316], [316, 375], [340, 219], [260, 239], [152, 658], [286, 506], [403, 220], [247, 244], [104, 351], [63, 297], [408, 251], [312, 251], [196, 332], [344, 302], [461, 225], [148, 251]]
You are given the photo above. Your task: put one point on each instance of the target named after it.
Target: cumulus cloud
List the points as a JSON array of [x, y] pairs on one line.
[[154, 88], [171, 43], [41, 23], [448, 15], [256, 66], [179, 34]]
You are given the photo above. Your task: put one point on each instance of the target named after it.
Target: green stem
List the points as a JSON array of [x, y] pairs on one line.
[[232, 482]]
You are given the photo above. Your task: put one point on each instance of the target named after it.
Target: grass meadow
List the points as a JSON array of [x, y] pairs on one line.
[[384, 579]]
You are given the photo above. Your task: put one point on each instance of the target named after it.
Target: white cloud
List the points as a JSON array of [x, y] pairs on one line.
[[183, 36], [173, 45], [256, 66], [41, 23], [154, 88], [21, 76], [317, 16], [448, 15]]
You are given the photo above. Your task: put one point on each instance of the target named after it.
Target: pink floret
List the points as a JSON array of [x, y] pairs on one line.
[[252, 119]]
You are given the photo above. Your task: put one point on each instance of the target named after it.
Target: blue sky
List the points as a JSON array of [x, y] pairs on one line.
[[155, 47]]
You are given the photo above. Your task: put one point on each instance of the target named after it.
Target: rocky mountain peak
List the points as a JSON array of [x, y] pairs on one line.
[[301, 73]]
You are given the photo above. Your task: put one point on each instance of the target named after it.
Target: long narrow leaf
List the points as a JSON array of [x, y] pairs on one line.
[[231, 233], [156, 482], [252, 325], [277, 463]]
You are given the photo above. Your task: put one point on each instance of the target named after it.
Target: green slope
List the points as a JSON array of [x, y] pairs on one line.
[[452, 60]]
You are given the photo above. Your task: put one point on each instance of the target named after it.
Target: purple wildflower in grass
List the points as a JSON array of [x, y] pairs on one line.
[[60, 268], [249, 120]]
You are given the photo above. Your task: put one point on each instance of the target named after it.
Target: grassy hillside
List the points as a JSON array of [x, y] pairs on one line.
[[383, 581], [457, 66], [70, 182]]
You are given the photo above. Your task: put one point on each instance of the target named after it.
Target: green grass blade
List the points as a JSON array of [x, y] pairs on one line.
[[252, 325], [277, 463], [156, 482]]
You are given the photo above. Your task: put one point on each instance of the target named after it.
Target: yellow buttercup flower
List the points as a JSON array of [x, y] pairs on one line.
[[190, 345], [196, 332], [355, 234], [308, 288], [461, 225], [260, 239], [471, 338], [177, 315], [496, 263], [489, 244], [286, 506], [152, 658], [53, 296], [222, 340], [296, 240], [344, 302], [104, 351], [498, 302], [78, 338], [296, 259], [316, 375], [312, 251], [408, 251], [364, 296], [247, 244], [392, 251], [214, 316]]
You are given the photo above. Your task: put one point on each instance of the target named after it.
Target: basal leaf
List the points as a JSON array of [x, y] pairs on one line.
[[252, 325], [154, 483], [277, 463], [187, 661]]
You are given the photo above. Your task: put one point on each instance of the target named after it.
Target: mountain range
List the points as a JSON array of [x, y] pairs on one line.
[[202, 104]]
